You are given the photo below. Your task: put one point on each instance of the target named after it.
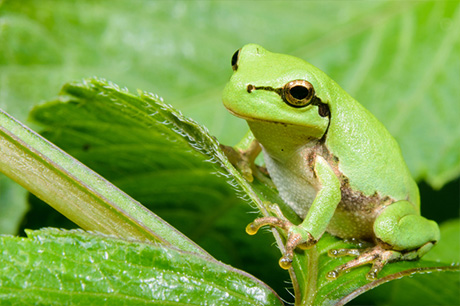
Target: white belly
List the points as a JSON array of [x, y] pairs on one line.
[[295, 182]]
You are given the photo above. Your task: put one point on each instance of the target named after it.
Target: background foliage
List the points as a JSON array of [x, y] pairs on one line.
[[399, 59]]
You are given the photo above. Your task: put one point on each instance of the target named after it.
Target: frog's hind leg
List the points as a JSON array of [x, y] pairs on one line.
[[401, 227], [401, 234]]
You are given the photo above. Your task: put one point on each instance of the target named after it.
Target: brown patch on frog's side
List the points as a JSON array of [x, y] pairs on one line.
[[353, 201]]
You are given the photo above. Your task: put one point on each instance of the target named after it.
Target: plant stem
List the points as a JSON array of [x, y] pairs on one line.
[[77, 192]]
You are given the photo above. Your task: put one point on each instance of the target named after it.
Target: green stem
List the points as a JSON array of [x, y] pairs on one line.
[[312, 277], [76, 191]]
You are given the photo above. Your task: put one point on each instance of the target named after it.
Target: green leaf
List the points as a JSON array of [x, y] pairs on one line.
[[398, 59], [77, 192], [149, 150], [53, 267], [142, 113]]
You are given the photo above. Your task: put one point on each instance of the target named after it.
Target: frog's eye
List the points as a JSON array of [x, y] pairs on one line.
[[235, 58], [298, 93]]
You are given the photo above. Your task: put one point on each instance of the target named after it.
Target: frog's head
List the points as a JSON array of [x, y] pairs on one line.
[[279, 88]]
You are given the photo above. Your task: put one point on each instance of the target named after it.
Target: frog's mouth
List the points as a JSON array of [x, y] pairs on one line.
[[247, 118], [252, 118]]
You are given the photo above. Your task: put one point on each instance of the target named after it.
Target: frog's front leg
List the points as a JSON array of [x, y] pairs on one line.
[[318, 217], [243, 156], [401, 234]]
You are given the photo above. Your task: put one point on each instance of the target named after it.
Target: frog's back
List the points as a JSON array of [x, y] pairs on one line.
[[369, 158]]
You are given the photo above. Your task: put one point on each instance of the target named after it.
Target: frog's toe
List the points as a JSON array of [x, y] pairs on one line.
[[282, 223], [377, 256], [254, 226], [297, 237], [285, 262]]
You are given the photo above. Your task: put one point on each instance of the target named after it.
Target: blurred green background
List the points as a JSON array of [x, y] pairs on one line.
[[400, 59]]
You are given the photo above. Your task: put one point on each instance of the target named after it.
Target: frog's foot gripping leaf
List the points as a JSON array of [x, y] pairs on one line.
[[296, 236], [238, 159], [243, 159], [377, 256]]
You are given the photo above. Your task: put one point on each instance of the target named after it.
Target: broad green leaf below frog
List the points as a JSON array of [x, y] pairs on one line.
[[331, 160]]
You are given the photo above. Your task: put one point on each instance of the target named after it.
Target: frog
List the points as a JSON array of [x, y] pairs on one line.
[[331, 160]]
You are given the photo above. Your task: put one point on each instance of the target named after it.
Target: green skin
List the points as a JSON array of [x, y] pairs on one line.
[[332, 162]]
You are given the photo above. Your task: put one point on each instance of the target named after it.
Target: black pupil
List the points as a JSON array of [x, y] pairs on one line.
[[235, 58], [299, 92]]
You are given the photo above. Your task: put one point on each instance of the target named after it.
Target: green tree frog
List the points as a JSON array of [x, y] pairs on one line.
[[331, 160]]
